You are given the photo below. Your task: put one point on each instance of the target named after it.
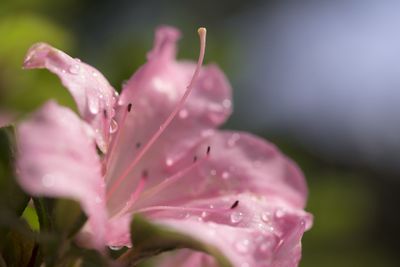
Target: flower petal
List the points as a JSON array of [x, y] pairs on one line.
[[238, 162], [154, 91], [94, 96], [57, 158], [255, 233]]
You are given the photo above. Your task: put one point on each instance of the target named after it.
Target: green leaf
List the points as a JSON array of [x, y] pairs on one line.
[[19, 248], [59, 219], [62, 216], [12, 199], [68, 217], [150, 239]]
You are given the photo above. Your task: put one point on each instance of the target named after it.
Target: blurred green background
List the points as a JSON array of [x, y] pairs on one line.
[[355, 206]]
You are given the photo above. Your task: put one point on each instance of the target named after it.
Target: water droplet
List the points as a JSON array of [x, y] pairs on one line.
[[204, 214], [225, 175], [266, 217], [113, 126], [95, 74], [242, 246], [93, 104], [169, 162], [279, 213], [227, 103], [48, 180], [74, 69], [101, 96], [211, 206], [183, 114], [236, 217], [233, 139], [115, 247]]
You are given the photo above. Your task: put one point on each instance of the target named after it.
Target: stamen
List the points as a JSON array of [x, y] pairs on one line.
[[194, 159], [118, 135], [235, 204], [202, 34], [105, 114], [208, 150], [135, 195], [138, 145], [174, 208], [170, 180]]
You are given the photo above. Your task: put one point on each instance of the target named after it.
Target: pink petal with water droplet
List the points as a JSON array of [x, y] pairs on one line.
[[154, 90], [238, 162], [57, 158], [92, 93], [251, 239]]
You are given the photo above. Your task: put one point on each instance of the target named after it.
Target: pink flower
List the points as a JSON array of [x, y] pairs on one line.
[[243, 196]]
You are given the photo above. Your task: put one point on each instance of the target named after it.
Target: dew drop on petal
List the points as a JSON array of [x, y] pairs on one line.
[[169, 162], [242, 246], [93, 104], [183, 114], [236, 217], [266, 217], [74, 69], [279, 213], [225, 175], [95, 74], [115, 247], [204, 214], [113, 126]]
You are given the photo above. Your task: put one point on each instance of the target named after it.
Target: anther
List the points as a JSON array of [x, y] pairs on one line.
[[194, 159], [235, 204], [208, 150], [105, 114], [145, 174], [129, 107], [138, 145]]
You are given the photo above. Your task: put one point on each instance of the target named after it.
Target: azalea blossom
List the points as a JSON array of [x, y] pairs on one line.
[[160, 155]]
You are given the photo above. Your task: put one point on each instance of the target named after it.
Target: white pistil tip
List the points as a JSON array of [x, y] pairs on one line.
[[202, 31]]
